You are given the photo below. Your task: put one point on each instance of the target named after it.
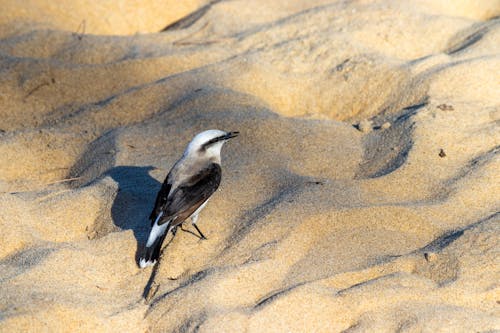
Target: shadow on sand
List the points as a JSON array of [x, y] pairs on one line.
[[131, 208], [134, 201]]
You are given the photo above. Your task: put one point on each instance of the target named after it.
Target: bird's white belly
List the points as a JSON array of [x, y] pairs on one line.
[[196, 212]]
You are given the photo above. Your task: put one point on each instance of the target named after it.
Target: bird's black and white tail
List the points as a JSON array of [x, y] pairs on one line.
[[151, 252]]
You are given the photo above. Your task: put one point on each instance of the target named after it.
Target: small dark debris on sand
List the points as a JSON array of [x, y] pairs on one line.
[[445, 107]]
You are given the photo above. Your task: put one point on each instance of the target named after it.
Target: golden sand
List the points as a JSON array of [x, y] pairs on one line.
[[363, 194]]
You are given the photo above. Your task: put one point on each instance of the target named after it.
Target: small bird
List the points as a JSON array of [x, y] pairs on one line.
[[186, 190]]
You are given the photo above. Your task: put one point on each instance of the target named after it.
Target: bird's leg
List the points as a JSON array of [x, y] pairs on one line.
[[173, 230], [202, 236], [194, 218]]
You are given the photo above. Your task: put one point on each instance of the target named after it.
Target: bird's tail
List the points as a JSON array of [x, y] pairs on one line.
[[152, 249]]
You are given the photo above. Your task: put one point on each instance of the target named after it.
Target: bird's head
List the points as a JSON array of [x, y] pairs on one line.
[[208, 144]]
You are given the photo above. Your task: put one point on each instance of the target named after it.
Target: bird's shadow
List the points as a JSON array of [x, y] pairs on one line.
[[131, 208], [134, 201]]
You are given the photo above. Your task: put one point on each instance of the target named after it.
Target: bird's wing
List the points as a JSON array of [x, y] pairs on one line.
[[191, 194], [161, 199]]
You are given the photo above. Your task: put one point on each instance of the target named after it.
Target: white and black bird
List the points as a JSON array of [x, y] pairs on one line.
[[186, 190]]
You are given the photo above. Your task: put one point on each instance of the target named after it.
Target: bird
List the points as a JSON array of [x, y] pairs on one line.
[[186, 190]]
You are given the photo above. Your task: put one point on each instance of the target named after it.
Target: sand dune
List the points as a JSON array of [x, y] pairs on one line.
[[361, 196]]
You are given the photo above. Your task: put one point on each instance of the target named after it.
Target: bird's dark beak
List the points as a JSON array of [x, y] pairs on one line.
[[231, 135]]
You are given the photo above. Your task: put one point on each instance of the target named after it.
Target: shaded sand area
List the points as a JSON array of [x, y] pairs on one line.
[[362, 195]]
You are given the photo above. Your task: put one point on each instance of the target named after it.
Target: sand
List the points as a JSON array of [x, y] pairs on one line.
[[363, 194]]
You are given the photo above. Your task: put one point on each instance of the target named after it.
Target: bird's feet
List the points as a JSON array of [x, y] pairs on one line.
[[200, 235]]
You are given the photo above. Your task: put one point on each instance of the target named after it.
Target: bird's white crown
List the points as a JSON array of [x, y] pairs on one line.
[[204, 137], [208, 144]]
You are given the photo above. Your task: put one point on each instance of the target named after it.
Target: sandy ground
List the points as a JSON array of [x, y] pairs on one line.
[[363, 194]]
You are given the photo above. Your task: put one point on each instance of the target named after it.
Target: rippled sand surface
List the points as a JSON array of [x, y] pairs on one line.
[[363, 194]]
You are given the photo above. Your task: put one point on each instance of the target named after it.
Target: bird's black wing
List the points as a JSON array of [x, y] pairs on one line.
[[161, 199], [190, 195]]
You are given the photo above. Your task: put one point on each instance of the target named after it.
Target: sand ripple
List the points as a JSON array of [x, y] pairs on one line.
[[362, 194]]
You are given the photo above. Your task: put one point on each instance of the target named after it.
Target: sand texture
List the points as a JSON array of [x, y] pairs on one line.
[[362, 195]]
